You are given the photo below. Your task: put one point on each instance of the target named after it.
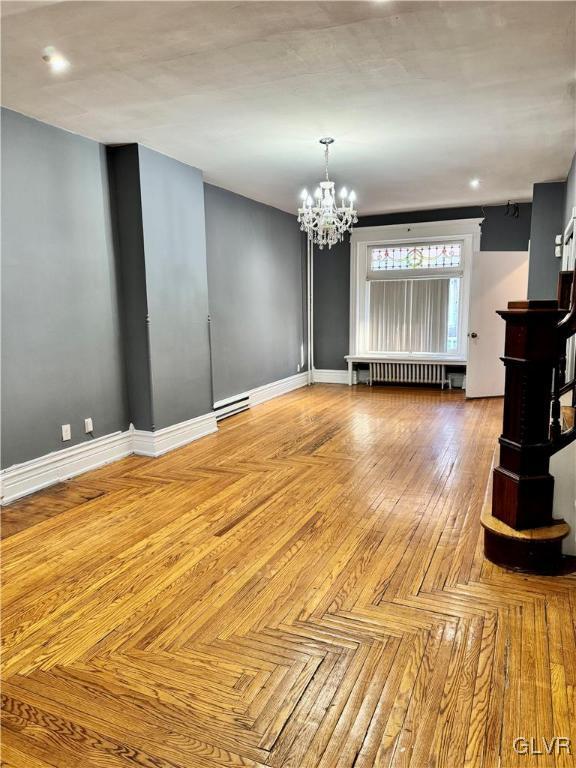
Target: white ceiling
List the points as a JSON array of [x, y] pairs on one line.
[[420, 96]]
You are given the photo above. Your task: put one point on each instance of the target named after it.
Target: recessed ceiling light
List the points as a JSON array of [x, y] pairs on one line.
[[55, 60], [474, 183]]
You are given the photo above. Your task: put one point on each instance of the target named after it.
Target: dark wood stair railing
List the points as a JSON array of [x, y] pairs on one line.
[[565, 380], [519, 530]]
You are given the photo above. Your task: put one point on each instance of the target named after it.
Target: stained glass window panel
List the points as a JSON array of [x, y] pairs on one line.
[[426, 256]]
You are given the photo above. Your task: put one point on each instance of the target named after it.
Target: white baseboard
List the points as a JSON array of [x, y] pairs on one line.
[[167, 439], [277, 388], [23, 479], [30, 476], [327, 376]]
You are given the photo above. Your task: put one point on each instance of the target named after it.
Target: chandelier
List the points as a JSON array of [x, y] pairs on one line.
[[320, 217]]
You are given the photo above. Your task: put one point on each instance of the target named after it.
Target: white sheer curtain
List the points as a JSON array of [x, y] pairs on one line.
[[389, 312], [409, 315], [429, 325]]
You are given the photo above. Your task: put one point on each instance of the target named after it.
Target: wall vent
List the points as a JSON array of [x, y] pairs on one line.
[[230, 407]]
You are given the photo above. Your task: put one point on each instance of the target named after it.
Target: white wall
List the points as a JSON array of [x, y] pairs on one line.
[[563, 468]]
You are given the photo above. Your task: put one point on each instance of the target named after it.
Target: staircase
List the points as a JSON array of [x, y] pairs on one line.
[[539, 406]]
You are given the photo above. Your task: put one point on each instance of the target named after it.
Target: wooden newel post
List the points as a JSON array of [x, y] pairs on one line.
[[523, 487]]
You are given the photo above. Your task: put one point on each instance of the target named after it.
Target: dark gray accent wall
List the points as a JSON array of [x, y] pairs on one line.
[[547, 222], [61, 346], [105, 290], [331, 306], [162, 249], [126, 208], [255, 278], [175, 248], [499, 231], [332, 269]]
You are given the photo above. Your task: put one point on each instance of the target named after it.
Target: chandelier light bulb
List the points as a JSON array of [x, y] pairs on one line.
[[352, 196], [343, 193], [304, 194], [309, 202], [318, 193]]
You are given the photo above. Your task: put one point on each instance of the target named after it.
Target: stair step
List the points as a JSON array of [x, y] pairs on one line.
[[532, 550], [555, 532]]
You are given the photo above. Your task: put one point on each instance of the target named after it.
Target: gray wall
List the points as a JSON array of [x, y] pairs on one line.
[[332, 270], [126, 210], [175, 249], [499, 231], [61, 346], [552, 207], [331, 306], [255, 278], [105, 290], [547, 222], [159, 204]]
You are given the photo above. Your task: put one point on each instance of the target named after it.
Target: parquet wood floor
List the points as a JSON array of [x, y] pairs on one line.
[[304, 589]]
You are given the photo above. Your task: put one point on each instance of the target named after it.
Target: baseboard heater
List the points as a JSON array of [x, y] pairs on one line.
[[231, 406], [409, 373]]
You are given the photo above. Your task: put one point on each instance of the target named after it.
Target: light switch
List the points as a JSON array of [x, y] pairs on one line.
[[66, 432], [88, 426]]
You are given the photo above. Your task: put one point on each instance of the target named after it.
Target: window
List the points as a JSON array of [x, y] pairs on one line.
[[414, 298], [410, 287]]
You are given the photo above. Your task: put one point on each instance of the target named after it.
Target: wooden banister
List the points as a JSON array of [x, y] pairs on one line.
[[565, 369], [523, 487], [535, 357], [567, 326]]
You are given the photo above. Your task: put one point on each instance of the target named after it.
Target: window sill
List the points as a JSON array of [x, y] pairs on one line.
[[370, 357]]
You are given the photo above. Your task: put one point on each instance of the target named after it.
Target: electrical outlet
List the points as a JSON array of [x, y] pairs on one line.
[[88, 426], [66, 432]]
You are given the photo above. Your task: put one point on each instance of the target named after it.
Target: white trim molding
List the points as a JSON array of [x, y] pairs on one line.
[[466, 230], [266, 391], [570, 226], [329, 376], [277, 388], [30, 476], [34, 475], [161, 441]]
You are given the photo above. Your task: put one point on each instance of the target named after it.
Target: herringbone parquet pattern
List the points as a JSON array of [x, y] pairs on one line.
[[304, 589]]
